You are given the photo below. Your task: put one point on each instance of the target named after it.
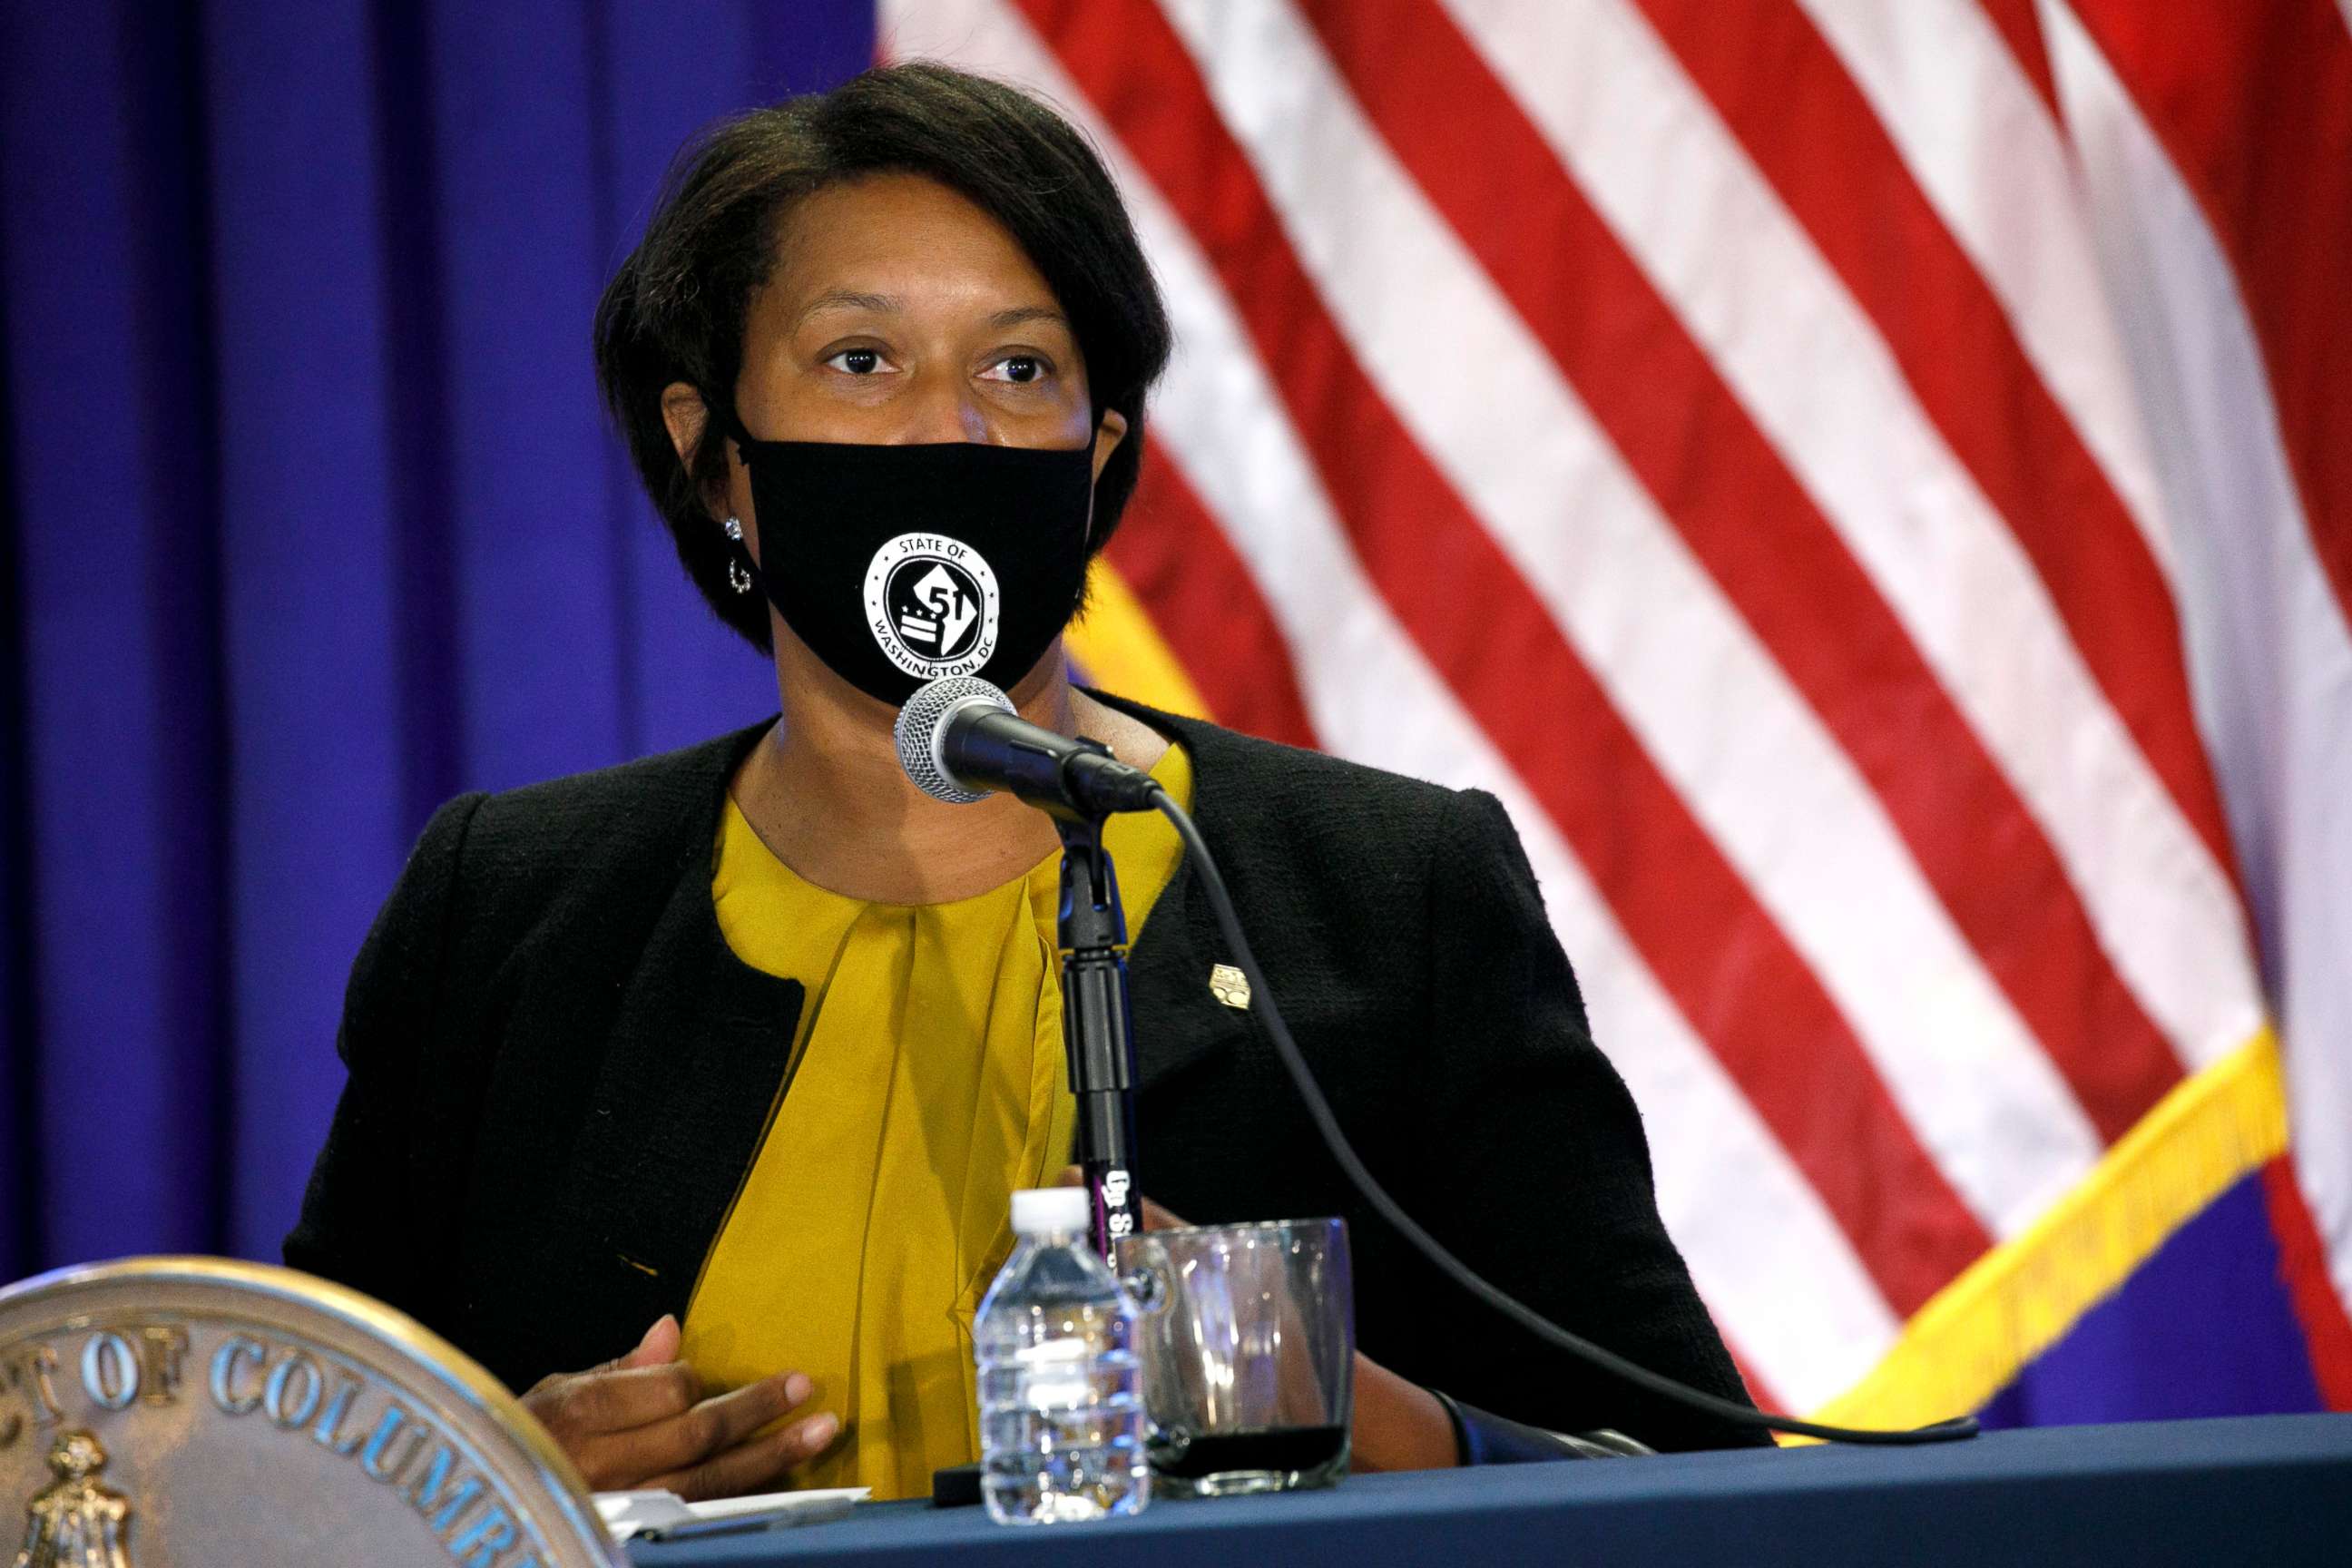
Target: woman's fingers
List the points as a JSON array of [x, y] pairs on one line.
[[695, 1436], [580, 1409], [640, 1420], [755, 1464], [1158, 1219], [594, 1403], [660, 1344]]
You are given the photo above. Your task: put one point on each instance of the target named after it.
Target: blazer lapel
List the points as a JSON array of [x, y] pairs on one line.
[[693, 1066], [1177, 1019]]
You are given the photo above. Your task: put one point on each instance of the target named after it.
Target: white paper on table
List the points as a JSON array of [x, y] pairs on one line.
[[628, 1513]]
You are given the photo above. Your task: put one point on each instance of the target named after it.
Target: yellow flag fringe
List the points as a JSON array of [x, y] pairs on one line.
[[1980, 1331]]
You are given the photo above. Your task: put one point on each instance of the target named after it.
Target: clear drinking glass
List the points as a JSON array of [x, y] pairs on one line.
[[1247, 1338]]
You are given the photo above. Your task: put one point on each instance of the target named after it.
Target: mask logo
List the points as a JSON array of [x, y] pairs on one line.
[[931, 602]]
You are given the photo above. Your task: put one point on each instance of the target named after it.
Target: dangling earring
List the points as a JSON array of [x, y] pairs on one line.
[[737, 578]]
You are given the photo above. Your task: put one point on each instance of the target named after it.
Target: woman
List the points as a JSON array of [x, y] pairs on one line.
[[752, 1043]]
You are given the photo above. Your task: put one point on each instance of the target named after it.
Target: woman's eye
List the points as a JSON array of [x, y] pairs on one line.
[[857, 362], [1019, 369]]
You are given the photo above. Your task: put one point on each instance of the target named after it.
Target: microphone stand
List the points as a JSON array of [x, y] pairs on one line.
[[1097, 1027]]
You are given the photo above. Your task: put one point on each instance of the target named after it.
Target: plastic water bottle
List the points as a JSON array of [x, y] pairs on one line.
[[1061, 1403]]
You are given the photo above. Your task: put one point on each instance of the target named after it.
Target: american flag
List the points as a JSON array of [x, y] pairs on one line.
[[1869, 484]]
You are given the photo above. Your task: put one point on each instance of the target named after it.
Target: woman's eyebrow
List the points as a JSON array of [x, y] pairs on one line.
[[1020, 315], [890, 305], [850, 300]]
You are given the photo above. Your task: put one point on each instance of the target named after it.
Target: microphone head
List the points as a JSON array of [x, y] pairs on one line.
[[922, 725]]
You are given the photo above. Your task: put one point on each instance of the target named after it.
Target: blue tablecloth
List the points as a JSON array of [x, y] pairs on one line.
[[2265, 1490]]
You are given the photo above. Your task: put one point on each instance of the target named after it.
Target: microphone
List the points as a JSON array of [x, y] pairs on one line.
[[959, 739]]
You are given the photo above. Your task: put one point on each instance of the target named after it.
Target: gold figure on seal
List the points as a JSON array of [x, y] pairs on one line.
[[77, 1520]]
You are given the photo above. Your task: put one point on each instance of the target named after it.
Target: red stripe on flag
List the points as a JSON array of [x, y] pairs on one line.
[[2018, 24], [1207, 605], [2302, 1268], [2254, 104], [1718, 478], [1787, 98], [1728, 966]]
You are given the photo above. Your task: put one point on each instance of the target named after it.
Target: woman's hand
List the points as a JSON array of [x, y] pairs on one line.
[[642, 1423], [1397, 1424]]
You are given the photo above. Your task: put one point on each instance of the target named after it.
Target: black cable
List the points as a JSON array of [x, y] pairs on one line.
[[1264, 1006]]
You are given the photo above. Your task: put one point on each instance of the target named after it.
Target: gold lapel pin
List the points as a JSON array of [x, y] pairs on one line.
[[1229, 985]]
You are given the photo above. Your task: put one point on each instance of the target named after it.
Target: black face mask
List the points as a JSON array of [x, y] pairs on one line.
[[900, 564]]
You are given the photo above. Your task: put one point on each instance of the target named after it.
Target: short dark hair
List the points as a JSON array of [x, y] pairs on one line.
[[675, 310]]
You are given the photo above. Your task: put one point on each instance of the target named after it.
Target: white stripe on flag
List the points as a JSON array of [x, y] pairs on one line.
[[1981, 146], [1376, 700], [2270, 657], [1708, 702], [1648, 149], [1373, 697]]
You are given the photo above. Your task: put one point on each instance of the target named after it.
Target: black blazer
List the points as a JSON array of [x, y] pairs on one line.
[[558, 1074]]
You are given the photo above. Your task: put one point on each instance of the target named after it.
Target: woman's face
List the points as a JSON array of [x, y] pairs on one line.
[[900, 312]]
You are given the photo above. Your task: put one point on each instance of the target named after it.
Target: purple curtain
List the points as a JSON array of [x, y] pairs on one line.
[[312, 521]]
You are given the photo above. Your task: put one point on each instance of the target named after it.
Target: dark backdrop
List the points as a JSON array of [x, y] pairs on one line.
[[312, 520]]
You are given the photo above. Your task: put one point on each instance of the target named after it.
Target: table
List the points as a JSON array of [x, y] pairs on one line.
[[2261, 1489]]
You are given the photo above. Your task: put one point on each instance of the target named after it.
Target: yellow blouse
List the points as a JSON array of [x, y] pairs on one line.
[[926, 1084]]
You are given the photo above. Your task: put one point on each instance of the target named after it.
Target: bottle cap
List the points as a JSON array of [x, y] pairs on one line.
[[1039, 1210]]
